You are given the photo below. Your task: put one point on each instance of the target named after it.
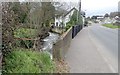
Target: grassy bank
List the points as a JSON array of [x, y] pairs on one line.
[[111, 26], [26, 61]]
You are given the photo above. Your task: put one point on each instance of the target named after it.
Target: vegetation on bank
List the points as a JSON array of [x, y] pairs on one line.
[[24, 33], [24, 37], [18, 22], [17, 47], [28, 61], [111, 26], [74, 20]]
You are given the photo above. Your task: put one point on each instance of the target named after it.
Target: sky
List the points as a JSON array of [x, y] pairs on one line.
[[93, 7], [99, 7]]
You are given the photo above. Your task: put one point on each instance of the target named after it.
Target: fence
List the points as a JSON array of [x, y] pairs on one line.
[[76, 29]]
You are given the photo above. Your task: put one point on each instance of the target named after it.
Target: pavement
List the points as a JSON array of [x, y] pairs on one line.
[[86, 55]]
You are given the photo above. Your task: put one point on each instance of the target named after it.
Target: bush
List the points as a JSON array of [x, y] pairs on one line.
[[68, 26], [24, 43], [24, 61], [24, 33], [74, 21]]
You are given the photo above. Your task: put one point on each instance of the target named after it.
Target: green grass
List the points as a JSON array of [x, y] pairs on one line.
[[25, 33], [24, 61], [111, 26]]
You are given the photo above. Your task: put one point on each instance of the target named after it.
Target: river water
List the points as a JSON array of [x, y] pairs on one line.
[[49, 41]]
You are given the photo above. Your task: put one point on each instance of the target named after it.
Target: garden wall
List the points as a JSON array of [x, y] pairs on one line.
[[62, 45]]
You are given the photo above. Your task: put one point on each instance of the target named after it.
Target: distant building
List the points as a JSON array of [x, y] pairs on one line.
[[100, 18]]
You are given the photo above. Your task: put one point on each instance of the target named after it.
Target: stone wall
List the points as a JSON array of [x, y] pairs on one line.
[[61, 47]]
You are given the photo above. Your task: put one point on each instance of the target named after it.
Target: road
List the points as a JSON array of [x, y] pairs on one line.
[[106, 40], [94, 50]]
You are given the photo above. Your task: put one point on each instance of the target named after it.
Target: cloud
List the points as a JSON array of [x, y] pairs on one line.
[[99, 6]]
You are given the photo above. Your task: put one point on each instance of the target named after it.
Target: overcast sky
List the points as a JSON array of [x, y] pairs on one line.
[[94, 7], [99, 7]]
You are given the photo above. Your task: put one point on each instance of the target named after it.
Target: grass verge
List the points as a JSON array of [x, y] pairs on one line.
[[26, 61], [111, 26]]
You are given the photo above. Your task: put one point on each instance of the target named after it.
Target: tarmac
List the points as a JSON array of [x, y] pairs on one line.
[[83, 56]]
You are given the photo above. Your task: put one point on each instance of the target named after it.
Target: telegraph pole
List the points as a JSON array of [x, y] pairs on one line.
[[80, 6], [79, 10]]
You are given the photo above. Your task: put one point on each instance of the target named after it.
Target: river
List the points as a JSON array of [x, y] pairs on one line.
[[49, 41]]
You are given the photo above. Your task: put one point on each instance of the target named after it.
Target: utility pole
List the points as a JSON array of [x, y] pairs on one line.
[[79, 10], [80, 6]]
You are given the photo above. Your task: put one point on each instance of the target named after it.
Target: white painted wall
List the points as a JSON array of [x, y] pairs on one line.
[[58, 20]]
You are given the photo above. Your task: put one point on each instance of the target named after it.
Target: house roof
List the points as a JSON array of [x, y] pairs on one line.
[[62, 12], [70, 11]]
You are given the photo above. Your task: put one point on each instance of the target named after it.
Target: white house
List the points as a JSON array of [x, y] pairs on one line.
[[62, 18], [107, 20]]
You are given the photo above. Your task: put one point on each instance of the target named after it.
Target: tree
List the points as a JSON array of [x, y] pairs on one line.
[[88, 18], [41, 14], [48, 11], [106, 15], [8, 26], [94, 17], [76, 18], [73, 19], [11, 19], [35, 15]]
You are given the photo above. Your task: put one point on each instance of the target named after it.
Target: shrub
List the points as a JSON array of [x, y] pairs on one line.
[[68, 26], [26, 61], [24, 33]]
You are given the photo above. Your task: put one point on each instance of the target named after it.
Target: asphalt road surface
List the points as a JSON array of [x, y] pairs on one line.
[[106, 40], [94, 50]]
